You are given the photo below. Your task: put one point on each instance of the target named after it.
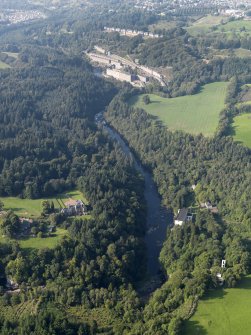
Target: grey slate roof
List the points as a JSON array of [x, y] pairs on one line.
[[182, 214]]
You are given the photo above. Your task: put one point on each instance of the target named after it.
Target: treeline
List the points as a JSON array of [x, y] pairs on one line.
[[220, 42], [46, 131], [190, 71], [181, 160]]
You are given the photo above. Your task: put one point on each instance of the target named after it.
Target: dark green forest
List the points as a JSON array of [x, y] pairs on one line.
[[92, 281], [192, 253], [50, 143]]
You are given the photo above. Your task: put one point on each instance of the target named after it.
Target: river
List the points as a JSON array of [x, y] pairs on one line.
[[158, 217]]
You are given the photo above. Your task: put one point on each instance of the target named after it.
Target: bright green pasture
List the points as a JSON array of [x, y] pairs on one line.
[[237, 26], [223, 312], [218, 25], [46, 242], [242, 129], [31, 243], [198, 113], [25, 207], [33, 208], [204, 25]]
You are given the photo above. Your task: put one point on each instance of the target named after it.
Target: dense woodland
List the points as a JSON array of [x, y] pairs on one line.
[[191, 254], [50, 144]]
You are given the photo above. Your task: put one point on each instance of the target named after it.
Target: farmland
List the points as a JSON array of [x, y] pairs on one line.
[[194, 114], [242, 129], [204, 25], [218, 25], [32, 207], [223, 312]]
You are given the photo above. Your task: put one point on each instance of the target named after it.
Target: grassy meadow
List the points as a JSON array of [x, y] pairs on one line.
[[219, 25], [33, 208], [198, 113], [242, 129], [204, 24], [43, 242], [223, 312], [38, 243]]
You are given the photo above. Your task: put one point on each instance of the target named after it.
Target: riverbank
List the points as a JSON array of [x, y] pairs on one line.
[[158, 217]]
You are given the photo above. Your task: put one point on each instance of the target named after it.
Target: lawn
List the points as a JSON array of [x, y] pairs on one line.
[[33, 208], [194, 114], [223, 312], [46, 242], [38, 243], [242, 129]]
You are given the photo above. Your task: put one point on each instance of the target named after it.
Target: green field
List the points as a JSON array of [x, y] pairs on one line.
[[37, 243], [242, 129], [33, 208], [223, 312], [204, 25], [46, 242], [194, 114], [3, 65], [237, 26], [218, 25]]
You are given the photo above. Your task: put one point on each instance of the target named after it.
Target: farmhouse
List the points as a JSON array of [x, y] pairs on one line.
[[182, 217], [74, 207]]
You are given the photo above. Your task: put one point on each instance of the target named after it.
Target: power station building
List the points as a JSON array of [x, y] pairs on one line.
[[120, 75]]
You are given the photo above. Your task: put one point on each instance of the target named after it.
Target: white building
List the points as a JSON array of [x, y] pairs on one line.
[[120, 75], [182, 217]]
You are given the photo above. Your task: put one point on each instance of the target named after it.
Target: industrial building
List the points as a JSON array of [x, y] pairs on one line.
[[120, 75]]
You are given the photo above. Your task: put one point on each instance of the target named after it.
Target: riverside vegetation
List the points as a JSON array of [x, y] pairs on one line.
[[88, 283]]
